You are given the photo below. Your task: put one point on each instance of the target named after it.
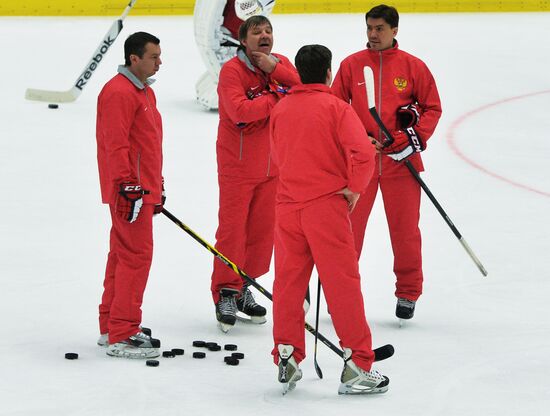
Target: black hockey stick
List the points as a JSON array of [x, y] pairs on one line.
[[369, 85], [381, 353], [315, 364], [73, 93]]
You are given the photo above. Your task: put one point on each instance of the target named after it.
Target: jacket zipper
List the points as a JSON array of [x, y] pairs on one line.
[[241, 147], [380, 134]]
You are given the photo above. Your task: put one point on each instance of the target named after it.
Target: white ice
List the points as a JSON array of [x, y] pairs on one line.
[[476, 346]]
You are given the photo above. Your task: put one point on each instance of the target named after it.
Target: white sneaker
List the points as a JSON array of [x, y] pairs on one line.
[[289, 372], [355, 380], [137, 346]]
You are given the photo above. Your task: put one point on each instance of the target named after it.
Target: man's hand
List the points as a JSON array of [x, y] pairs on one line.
[[350, 196], [265, 62], [128, 201], [159, 207]]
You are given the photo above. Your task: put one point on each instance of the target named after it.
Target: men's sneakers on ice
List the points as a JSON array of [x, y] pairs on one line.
[[289, 372], [247, 305], [355, 380], [404, 308], [139, 345], [103, 339], [226, 309]]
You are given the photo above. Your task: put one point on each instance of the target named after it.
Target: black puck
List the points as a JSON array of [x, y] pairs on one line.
[[197, 354], [168, 354], [71, 356], [231, 360], [152, 363], [178, 351], [230, 347], [210, 344], [238, 355], [53, 106], [199, 343], [215, 348]]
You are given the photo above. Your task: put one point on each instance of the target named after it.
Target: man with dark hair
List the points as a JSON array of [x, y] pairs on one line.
[[325, 161], [408, 103], [129, 154], [250, 85]]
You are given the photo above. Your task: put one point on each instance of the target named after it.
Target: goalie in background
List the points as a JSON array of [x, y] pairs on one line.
[[216, 24]]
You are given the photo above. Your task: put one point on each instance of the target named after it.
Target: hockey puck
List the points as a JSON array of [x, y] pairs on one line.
[[230, 347], [197, 354], [214, 348], [231, 360], [152, 363], [238, 355], [178, 351], [210, 344], [71, 356], [168, 354], [199, 343], [53, 106]]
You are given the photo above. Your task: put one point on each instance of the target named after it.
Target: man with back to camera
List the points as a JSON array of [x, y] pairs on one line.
[[325, 161], [408, 103], [129, 154], [250, 85]]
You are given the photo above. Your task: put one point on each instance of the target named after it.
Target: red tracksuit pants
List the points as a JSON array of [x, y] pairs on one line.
[[128, 264], [401, 196], [245, 229], [319, 234]]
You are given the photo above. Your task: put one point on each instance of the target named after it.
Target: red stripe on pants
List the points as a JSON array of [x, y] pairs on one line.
[[245, 232], [126, 274], [401, 196], [319, 234]]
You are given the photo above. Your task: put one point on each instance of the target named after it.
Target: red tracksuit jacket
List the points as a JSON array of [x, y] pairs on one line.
[[305, 151], [245, 104], [129, 137], [399, 79]]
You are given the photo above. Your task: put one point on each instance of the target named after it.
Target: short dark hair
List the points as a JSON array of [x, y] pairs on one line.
[[312, 62], [135, 45], [388, 13], [252, 22]]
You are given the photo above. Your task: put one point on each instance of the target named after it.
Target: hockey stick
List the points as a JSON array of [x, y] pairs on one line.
[[369, 85], [317, 368], [381, 353], [74, 92]]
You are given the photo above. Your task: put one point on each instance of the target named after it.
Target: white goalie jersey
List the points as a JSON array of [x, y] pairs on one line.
[[216, 25]]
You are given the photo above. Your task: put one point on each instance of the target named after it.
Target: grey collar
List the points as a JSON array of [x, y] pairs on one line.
[[123, 70], [243, 58]]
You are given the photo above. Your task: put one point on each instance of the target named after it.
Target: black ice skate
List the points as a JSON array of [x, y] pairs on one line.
[[404, 309], [247, 305], [139, 345], [289, 372], [226, 309], [355, 380], [103, 339]]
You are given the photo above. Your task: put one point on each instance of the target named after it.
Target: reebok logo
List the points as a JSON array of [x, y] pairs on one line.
[[87, 74]]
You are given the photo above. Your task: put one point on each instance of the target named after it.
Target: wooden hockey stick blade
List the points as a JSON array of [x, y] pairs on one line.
[[52, 96]]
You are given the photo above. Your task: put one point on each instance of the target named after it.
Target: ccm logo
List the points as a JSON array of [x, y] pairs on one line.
[[132, 188], [414, 140]]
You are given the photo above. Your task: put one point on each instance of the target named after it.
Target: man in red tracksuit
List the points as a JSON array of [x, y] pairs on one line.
[[129, 155], [250, 85], [409, 106], [325, 160]]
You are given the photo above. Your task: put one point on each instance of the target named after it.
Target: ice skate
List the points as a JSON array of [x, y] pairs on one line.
[[247, 306], [226, 309], [355, 380], [289, 372], [404, 310], [103, 339], [137, 346]]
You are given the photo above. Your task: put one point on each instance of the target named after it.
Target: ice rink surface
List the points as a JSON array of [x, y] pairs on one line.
[[476, 346]]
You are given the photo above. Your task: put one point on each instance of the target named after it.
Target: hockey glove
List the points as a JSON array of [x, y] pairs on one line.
[[159, 207], [406, 140], [129, 202], [407, 116], [247, 8]]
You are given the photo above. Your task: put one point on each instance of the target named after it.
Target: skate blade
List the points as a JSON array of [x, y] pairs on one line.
[[256, 320], [357, 390], [137, 355], [224, 327], [288, 387]]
